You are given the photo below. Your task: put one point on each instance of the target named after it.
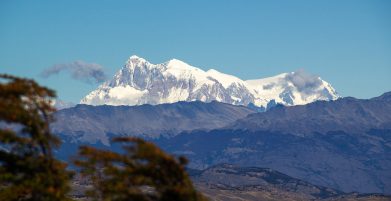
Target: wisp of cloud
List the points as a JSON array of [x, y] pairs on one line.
[[79, 70], [304, 81]]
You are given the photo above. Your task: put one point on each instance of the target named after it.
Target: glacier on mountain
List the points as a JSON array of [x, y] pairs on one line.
[[140, 82]]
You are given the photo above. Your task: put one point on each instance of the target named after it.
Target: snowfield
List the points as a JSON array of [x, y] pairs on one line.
[[140, 82]]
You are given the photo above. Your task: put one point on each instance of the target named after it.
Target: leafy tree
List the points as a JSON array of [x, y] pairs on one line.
[[143, 172], [28, 170]]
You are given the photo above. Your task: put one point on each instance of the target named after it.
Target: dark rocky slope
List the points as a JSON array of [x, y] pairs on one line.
[[343, 144], [95, 124]]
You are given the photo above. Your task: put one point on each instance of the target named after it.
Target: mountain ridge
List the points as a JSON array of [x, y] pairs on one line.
[[92, 124], [141, 82], [338, 144], [320, 116], [343, 144]]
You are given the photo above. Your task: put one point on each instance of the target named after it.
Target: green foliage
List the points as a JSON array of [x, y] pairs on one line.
[[143, 173], [28, 170]]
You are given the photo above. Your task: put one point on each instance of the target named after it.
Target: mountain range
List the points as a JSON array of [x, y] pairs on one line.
[[343, 144], [93, 124], [346, 114], [140, 82], [305, 130]]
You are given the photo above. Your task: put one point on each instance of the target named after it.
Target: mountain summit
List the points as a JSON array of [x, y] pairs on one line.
[[140, 82]]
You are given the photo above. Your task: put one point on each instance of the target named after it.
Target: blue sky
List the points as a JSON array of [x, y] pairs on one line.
[[347, 43]]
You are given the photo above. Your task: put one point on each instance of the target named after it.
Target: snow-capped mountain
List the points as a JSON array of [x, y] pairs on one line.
[[294, 88], [140, 82]]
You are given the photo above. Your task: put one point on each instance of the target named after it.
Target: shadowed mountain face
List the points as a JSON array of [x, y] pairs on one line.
[[344, 144], [230, 182], [339, 160], [347, 114], [93, 124]]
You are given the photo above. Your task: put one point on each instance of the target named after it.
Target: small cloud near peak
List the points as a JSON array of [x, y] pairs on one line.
[[79, 70]]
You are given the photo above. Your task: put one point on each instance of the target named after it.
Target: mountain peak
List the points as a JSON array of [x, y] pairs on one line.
[[176, 63], [136, 59], [140, 82]]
